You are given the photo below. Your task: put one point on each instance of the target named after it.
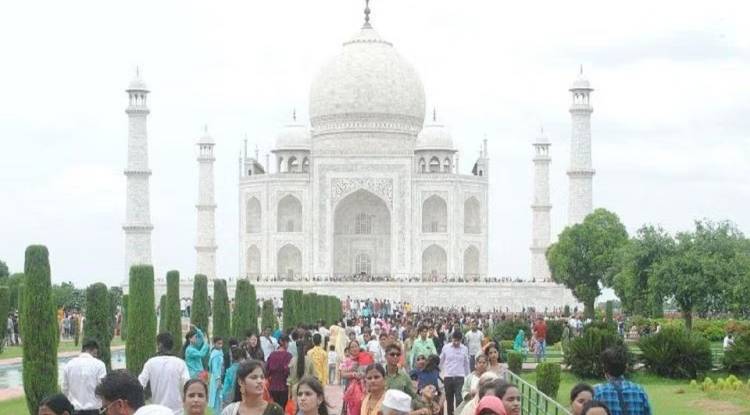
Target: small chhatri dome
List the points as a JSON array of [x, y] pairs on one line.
[[293, 136], [581, 81], [137, 83], [434, 136], [368, 87], [542, 138], [206, 137]]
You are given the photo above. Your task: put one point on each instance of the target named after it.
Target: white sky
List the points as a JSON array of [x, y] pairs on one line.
[[671, 127]]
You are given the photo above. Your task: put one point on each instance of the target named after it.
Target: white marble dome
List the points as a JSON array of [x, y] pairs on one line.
[[581, 82], [434, 136], [369, 86], [293, 136]]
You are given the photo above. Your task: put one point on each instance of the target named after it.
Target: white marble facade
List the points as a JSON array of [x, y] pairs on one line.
[[368, 189]]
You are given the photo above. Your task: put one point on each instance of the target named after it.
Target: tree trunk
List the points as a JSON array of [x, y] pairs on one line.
[[588, 309], [688, 316]]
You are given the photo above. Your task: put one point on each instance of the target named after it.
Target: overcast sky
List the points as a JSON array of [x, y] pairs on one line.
[[671, 121]]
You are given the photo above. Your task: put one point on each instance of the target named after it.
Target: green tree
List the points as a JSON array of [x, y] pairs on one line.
[[4, 308], [244, 317], [141, 344], [124, 325], [67, 296], [97, 321], [288, 308], [634, 282], [173, 315], [162, 315], [4, 273], [115, 302], [699, 274], [585, 253], [39, 329], [221, 323], [14, 282], [268, 318], [199, 309]]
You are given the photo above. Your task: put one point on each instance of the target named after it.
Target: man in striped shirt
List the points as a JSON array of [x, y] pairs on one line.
[[621, 396]]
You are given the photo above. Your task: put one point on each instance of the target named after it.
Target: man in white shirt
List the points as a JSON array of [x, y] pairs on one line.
[[167, 375], [81, 375], [268, 343], [473, 343], [121, 394]]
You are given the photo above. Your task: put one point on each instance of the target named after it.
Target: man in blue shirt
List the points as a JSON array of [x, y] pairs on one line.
[[454, 360], [621, 396]]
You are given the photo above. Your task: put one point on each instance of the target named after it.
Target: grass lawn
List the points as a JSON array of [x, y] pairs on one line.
[[14, 406], [65, 346], [668, 396]]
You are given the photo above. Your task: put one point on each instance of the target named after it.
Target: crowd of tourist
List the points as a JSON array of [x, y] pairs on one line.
[[387, 359]]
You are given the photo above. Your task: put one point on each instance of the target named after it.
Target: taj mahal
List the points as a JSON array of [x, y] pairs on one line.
[[366, 198]]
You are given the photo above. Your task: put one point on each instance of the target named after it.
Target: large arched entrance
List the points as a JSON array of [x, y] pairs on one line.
[[289, 263], [362, 236], [434, 263]]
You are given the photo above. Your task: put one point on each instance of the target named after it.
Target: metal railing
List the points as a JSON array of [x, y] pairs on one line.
[[533, 401]]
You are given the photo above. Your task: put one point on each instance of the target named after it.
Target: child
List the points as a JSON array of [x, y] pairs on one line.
[[331, 364]]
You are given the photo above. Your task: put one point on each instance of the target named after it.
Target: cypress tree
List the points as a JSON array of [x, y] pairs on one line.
[[243, 309], [124, 325], [97, 320], [253, 310], [114, 294], [172, 314], [286, 310], [221, 310], [4, 309], [268, 318], [141, 344], [39, 329], [162, 314], [199, 310]]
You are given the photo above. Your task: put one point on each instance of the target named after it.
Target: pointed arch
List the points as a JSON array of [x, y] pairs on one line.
[[305, 165], [434, 263], [434, 215], [289, 263], [289, 215], [292, 165], [434, 165]]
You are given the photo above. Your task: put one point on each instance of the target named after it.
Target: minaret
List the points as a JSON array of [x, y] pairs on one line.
[[540, 210], [581, 172], [137, 211], [205, 246]]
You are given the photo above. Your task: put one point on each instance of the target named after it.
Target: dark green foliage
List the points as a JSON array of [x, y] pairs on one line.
[[67, 296], [548, 378], [585, 254], [555, 331], [583, 352], [244, 309], [199, 309], [676, 353], [253, 317], [141, 343], [507, 329], [162, 314], [14, 282], [4, 273], [221, 326], [566, 311], [39, 329], [124, 324], [737, 358], [268, 318], [4, 307], [97, 321], [288, 309], [608, 311], [515, 362], [173, 315]]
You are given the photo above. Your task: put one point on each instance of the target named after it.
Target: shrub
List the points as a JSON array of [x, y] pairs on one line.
[[4, 308], [221, 311], [172, 314], [583, 352], [676, 353], [199, 309], [737, 327], [548, 378], [141, 344], [97, 321], [608, 311], [244, 309], [162, 314], [713, 330], [507, 330], [39, 329], [555, 330], [515, 362], [268, 318], [124, 323], [505, 346], [737, 358]]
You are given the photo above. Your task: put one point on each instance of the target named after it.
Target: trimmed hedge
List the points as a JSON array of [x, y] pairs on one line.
[[244, 309], [507, 330], [548, 378], [97, 321], [221, 326], [4, 309], [737, 358], [515, 362], [309, 308], [268, 318], [292, 301], [124, 323], [173, 315], [554, 331], [199, 309], [39, 329], [676, 353], [162, 314], [583, 352], [141, 343]]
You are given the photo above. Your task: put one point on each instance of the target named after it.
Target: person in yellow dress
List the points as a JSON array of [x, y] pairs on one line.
[[319, 358]]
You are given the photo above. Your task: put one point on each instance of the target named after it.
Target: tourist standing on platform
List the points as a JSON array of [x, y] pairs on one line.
[[621, 396], [311, 399], [423, 345], [215, 369], [396, 377], [454, 360], [230, 375], [81, 375], [267, 342], [194, 398], [248, 392], [252, 346], [375, 381], [278, 372], [474, 342], [56, 404], [195, 350], [166, 374]]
